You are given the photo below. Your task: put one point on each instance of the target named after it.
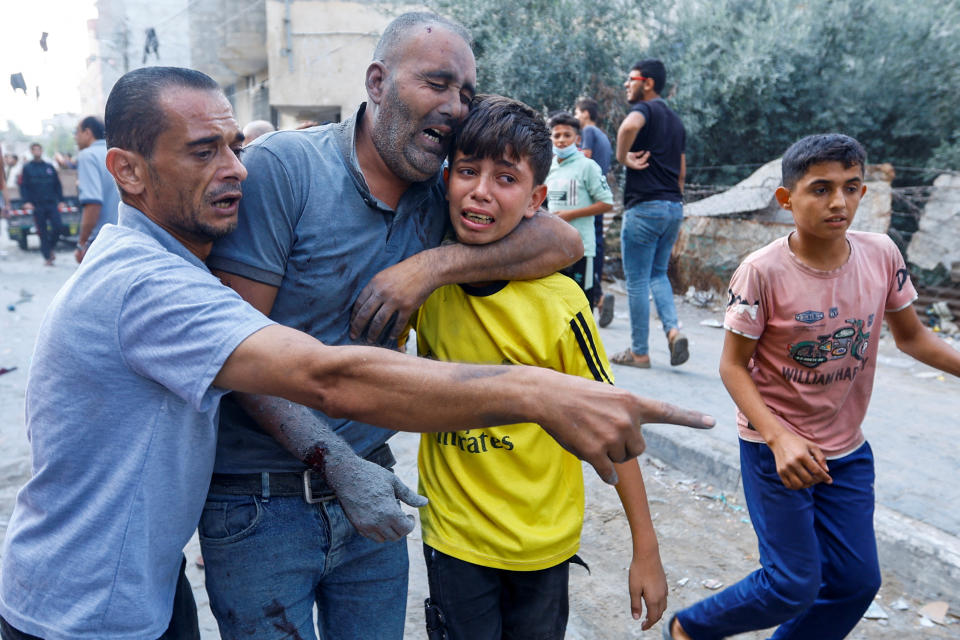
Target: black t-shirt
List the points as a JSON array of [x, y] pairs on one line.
[[664, 137]]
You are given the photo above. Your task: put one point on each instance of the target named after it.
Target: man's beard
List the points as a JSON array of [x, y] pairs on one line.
[[187, 219], [393, 134]]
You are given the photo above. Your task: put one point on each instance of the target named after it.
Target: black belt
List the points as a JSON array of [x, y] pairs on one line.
[[308, 484]]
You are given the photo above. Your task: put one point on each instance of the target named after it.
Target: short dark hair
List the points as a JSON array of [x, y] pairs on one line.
[[498, 127], [817, 149], [590, 106], [134, 116], [94, 125], [396, 31], [35, 144], [653, 69], [564, 117]]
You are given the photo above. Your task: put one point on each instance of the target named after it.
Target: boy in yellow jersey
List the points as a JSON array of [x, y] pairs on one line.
[[506, 502]]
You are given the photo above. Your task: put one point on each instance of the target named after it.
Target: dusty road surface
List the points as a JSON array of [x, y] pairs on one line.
[[703, 534]]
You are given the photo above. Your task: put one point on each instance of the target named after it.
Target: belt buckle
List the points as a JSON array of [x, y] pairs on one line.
[[308, 491]]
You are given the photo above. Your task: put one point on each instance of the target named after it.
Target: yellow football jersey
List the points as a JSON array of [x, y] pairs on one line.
[[507, 497]]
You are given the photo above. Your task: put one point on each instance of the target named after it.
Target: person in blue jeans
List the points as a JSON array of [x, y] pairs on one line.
[[650, 144]]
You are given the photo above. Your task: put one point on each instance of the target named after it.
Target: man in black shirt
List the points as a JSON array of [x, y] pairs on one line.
[[41, 191], [650, 144]]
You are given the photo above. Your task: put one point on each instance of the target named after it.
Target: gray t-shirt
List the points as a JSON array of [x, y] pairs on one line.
[[95, 185], [121, 417], [310, 226], [599, 144]]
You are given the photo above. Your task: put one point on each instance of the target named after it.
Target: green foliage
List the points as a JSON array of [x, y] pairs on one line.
[[748, 77], [548, 53], [752, 76]]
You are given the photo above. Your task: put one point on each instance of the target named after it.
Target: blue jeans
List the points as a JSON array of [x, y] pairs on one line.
[[269, 560], [818, 555], [646, 240], [472, 602]]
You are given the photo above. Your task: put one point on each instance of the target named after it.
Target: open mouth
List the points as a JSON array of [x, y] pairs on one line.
[[434, 135], [836, 219], [477, 218], [226, 202]]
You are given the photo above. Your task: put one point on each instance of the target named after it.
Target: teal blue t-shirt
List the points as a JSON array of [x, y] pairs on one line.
[[575, 183]]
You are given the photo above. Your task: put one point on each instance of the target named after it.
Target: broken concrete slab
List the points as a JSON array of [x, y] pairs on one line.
[[751, 196], [709, 249], [937, 242]]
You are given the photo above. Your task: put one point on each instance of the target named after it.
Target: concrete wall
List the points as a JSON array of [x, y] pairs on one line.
[[330, 44], [119, 38], [250, 97]]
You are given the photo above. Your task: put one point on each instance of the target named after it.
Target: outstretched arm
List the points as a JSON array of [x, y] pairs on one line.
[[596, 422], [800, 463], [918, 341], [647, 581], [538, 247]]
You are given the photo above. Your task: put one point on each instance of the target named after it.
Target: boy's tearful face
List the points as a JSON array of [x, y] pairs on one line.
[[489, 197], [824, 201]]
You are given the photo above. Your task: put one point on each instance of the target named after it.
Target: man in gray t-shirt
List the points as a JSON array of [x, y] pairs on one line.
[[122, 455], [97, 191]]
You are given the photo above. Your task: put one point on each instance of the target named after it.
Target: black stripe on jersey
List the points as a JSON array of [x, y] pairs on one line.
[[593, 347], [593, 365]]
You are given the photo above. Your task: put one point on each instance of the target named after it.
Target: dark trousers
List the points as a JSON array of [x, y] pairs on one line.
[[183, 622], [471, 602], [581, 273], [47, 220], [598, 261], [818, 555]]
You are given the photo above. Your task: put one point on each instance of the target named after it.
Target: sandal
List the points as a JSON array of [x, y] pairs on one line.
[[679, 352], [626, 358]]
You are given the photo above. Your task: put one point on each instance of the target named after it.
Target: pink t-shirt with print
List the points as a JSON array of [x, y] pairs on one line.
[[817, 334]]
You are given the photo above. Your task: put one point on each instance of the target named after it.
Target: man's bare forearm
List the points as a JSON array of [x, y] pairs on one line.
[[88, 220], [538, 247]]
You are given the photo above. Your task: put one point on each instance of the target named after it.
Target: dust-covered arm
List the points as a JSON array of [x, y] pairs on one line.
[[539, 246], [368, 493]]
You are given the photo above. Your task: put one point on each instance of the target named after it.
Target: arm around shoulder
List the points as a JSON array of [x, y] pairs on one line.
[[539, 246]]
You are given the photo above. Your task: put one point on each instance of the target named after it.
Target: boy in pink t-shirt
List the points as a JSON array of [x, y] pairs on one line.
[[803, 320]]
